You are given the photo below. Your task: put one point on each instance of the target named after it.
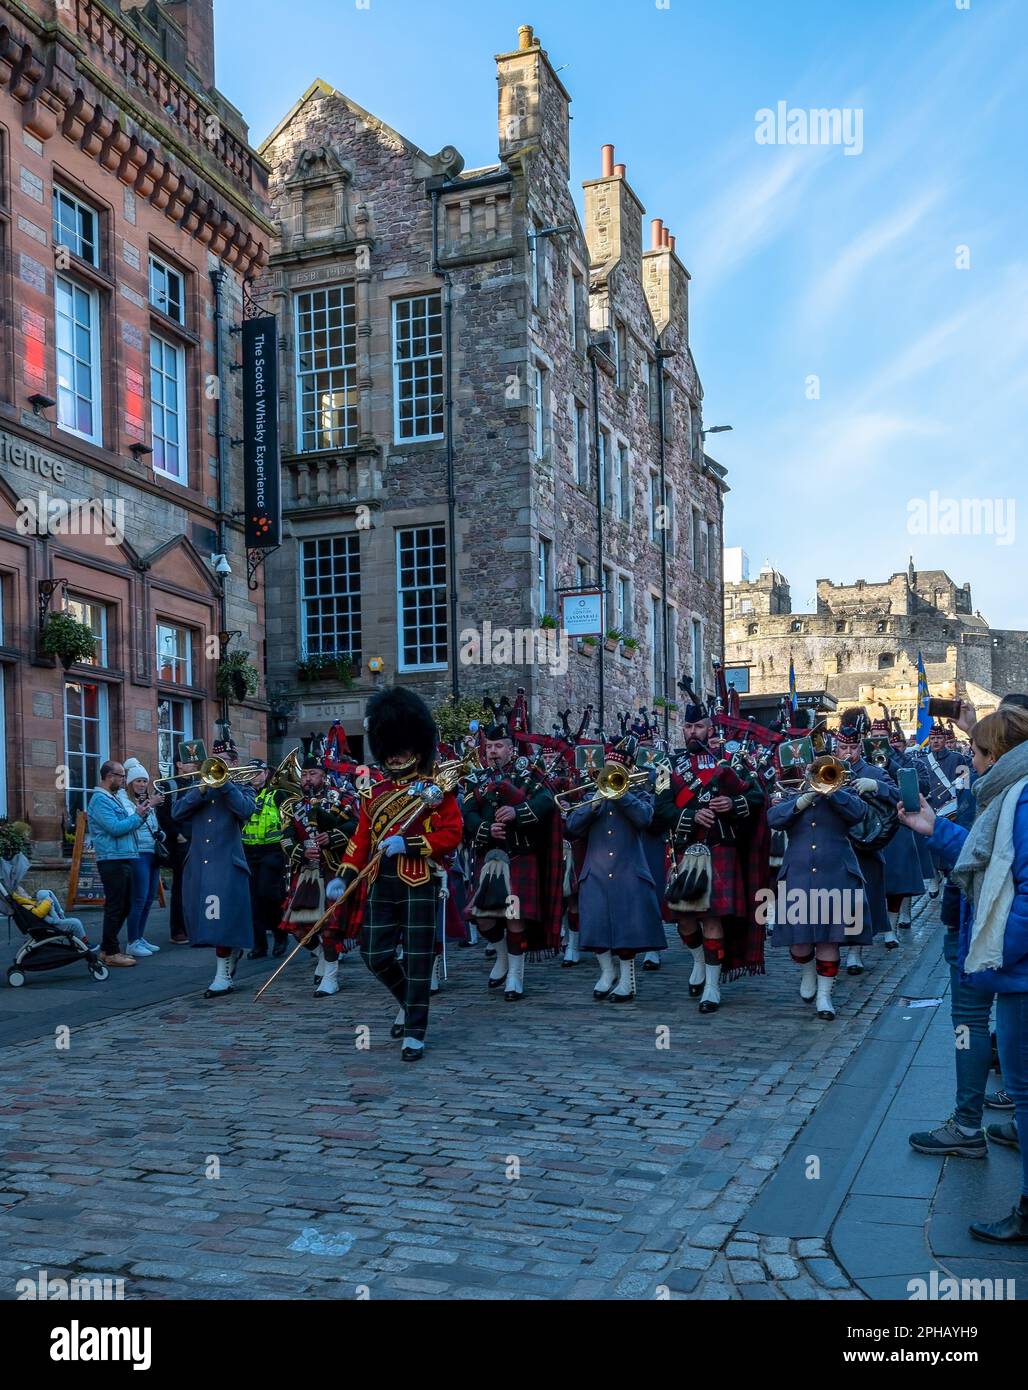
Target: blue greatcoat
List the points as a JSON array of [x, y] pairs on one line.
[[216, 876], [618, 899], [903, 872], [820, 855]]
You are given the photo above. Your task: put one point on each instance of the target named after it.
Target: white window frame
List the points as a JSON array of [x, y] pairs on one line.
[[543, 576], [573, 283], [176, 662], [350, 598], [697, 655], [101, 636], [581, 437], [620, 338], [401, 663], [169, 345], [429, 357], [603, 461], [539, 410], [535, 287], [624, 605], [177, 736], [616, 480], [655, 635], [156, 294], [339, 376], [103, 722], [62, 194], [95, 342]]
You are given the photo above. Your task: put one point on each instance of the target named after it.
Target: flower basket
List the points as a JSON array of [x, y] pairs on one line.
[[629, 647], [237, 678], [67, 639], [588, 646]]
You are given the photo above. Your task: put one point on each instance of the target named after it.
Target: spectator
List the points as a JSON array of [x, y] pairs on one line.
[[989, 863], [146, 865], [112, 830]]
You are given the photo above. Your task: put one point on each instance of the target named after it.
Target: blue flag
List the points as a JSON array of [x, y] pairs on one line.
[[924, 719], [794, 703]]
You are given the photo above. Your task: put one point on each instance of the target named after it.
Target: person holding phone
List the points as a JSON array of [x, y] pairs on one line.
[[989, 863]]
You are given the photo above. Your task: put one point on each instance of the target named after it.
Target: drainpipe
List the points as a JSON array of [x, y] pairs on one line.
[[451, 489], [593, 350], [665, 643], [217, 281]]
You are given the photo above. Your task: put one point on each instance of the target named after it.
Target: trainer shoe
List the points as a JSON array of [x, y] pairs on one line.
[[999, 1100], [151, 949], [1005, 1134], [137, 949], [948, 1141], [117, 958]]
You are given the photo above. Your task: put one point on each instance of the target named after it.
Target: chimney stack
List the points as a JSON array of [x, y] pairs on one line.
[[532, 105], [656, 233], [196, 20], [613, 216], [606, 161]]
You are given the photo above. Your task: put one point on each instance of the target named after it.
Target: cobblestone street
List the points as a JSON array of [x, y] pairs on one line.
[[546, 1149]]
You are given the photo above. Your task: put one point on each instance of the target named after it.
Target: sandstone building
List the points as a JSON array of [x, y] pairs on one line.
[[471, 387], [129, 216], [862, 642]]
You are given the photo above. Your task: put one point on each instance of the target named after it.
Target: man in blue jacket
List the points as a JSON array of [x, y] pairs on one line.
[[112, 830]]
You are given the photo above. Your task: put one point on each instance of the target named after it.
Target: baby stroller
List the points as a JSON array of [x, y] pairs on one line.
[[47, 947]]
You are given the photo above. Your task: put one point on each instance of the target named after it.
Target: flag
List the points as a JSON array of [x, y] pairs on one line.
[[924, 719], [794, 703]]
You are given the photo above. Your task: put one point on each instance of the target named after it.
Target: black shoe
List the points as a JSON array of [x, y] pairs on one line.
[[568, 964], [396, 1031], [946, 1141], [513, 994], [999, 1100], [707, 1006], [1006, 1135], [412, 1054], [217, 993], [826, 1014], [613, 998], [490, 953], [280, 947], [651, 964], [854, 970], [695, 991], [495, 984], [1012, 1230], [257, 955]]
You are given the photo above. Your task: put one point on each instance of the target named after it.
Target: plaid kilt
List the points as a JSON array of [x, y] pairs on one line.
[[728, 891], [524, 885]]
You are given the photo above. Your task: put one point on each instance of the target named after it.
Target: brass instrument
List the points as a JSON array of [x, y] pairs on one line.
[[880, 759], [610, 783], [215, 772], [826, 775]]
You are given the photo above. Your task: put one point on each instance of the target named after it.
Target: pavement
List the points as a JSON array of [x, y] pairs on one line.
[[554, 1148]]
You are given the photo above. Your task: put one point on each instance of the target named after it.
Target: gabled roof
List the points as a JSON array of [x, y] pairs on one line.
[[319, 87]]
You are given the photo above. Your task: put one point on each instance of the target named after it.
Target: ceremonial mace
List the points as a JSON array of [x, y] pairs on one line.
[[426, 796]]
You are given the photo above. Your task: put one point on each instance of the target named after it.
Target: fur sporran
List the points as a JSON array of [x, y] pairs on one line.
[[691, 880], [308, 902], [493, 891]]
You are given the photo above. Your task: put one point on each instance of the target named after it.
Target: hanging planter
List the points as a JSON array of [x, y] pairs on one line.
[[613, 638], [237, 678], [67, 639], [629, 646], [588, 646]]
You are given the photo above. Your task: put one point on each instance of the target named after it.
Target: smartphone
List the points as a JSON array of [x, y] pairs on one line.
[[910, 793], [944, 709]]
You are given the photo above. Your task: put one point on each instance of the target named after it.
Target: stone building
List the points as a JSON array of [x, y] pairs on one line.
[[127, 220], [446, 463], [862, 643]]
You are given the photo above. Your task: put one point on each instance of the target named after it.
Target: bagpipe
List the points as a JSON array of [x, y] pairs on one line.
[[691, 878]]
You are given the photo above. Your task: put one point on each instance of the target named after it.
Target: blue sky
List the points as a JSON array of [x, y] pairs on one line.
[[806, 261]]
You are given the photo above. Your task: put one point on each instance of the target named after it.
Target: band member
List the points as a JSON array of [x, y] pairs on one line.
[[904, 880], [618, 898], [866, 779], [187, 762], [819, 863], [403, 888], [315, 834], [708, 807], [510, 821], [216, 877], [262, 844]]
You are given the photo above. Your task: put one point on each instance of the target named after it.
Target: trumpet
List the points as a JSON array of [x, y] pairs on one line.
[[610, 783], [215, 772], [826, 774]]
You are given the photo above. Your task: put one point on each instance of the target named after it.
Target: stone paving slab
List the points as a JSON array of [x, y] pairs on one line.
[[546, 1149]]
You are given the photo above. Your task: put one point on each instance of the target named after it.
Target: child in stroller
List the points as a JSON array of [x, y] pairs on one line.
[[53, 940]]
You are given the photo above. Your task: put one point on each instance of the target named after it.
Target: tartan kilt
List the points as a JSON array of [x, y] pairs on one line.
[[342, 929], [524, 885], [728, 891]]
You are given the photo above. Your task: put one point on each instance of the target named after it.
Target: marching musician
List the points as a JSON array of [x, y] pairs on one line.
[[819, 861], [904, 879], [403, 888], [865, 779], [315, 835], [705, 803], [216, 876], [509, 820], [618, 897]]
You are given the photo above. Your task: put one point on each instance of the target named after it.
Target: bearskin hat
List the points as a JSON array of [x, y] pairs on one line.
[[397, 721], [853, 722]]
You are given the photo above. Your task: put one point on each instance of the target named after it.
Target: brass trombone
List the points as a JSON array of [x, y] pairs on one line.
[[215, 772], [610, 783], [826, 774]]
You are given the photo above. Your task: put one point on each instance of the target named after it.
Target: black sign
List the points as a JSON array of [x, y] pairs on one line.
[[261, 468]]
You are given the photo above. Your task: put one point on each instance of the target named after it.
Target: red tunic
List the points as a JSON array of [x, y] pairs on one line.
[[434, 834]]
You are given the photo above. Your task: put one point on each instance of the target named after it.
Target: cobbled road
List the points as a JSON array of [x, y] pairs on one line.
[[552, 1148]]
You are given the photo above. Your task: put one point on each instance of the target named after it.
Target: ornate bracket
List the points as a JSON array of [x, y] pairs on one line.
[[254, 559], [47, 589]]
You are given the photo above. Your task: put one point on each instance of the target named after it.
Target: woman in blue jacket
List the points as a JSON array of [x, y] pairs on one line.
[[989, 863]]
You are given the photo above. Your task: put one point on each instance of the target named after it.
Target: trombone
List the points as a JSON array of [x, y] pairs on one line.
[[610, 783], [826, 775], [215, 772]]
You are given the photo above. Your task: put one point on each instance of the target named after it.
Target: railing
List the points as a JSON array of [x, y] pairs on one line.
[[318, 481]]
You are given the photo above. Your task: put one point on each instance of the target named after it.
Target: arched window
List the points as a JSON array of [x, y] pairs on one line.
[[886, 659], [751, 629]]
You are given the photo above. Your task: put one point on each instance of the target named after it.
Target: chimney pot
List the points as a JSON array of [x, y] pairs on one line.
[[606, 161], [671, 242], [655, 237], [665, 237], [526, 38], [619, 170]]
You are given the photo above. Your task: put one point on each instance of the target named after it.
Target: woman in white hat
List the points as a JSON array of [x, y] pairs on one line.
[[146, 867]]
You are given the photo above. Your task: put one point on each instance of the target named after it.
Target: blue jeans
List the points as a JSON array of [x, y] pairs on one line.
[[1012, 1041], [144, 888], [970, 1010]]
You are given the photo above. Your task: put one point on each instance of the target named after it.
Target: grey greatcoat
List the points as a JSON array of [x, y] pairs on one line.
[[872, 865], [216, 876], [618, 899], [819, 855], [903, 870]]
